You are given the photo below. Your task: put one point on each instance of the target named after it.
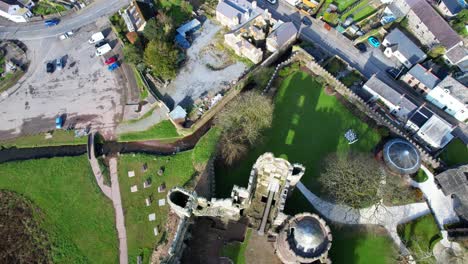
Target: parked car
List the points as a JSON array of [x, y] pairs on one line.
[[110, 60], [51, 22], [362, 47], [100, 44], [306, 21], [374, 41], [58, 122], [50, 67], [59, 63], [113, 66], [66, 35], [103, 49], [96, 37]]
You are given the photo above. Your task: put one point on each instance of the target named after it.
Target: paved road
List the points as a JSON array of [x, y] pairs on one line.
[[37, 30]]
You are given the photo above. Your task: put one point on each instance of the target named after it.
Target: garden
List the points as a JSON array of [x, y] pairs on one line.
[[77, 218], [46, 7]]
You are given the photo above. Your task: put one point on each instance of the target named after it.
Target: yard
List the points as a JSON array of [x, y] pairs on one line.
[[78, 218], [456, 153], [420, 236], [362, 10], [45, 7]]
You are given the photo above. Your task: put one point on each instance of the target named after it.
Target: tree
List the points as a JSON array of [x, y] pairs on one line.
[[358, 180], [132, 54], [159, 28], [162, 58], [242, 122], [458, 24]]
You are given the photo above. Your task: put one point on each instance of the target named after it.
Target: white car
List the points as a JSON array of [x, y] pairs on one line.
[[66, 35], [103, 49], [96, 37]]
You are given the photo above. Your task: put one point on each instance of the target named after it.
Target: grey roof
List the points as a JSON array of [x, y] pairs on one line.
[[455, 88], [435, 23], [178, 113], [233, 8], [453, 6], [405, 46], [456, 54], [283, 33], [454, 182], [424, 76], [436, 132], [5, 4]]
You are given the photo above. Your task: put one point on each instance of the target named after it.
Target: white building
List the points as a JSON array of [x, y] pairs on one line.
[[450, 96], [232, 13], [16, 10], [398, 45]]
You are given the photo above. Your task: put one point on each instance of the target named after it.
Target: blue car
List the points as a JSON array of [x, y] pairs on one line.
[[374, 42], [113, 66], [51, 22], [58, 122]]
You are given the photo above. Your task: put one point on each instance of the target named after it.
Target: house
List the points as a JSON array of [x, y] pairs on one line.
[[16, 10], [451, 8], [284, 35], [398, 104], [398, 45], [243, 47], [454, 183], [430, 128], [427, 25], [458, 56], [450, 96], [137, 14], [420, 78], [232, 13]]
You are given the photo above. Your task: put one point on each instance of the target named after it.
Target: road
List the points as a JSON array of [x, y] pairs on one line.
[[37, 30]]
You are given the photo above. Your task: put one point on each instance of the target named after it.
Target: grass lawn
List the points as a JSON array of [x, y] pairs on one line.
[[178, 170], [420, 176], [59, 138], [205, 148], [236, 250], [364, 12], [79, 219], [140, 83], [455, 153], [360, 11], [420, 235], [163, 130], [343, 4], [307, 125]]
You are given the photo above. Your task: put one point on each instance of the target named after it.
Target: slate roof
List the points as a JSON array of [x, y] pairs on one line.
[[424, 76], [453, 6], [456, 89], [456, 54], [399, 41], [235, 8], [434, 22], [455, 182], [283, 33], [421, 116], [436, 132]]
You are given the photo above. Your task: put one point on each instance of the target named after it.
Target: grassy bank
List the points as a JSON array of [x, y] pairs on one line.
[[162, 130], [59, 138], [77, 217]]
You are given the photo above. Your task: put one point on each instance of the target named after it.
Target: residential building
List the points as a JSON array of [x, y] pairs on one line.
[[454, 183], [232, 13], [421, 79], [451, 8], [452, 97], [396, 103], [427, 25], [16, 10], [137, 14], [284, 35], [458, 56], [398, 45], [243, 47], [430, 128]]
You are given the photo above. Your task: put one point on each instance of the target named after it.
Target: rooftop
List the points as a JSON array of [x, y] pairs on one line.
[[453, 6], [456, 89], [457, 54], [436, 132], [455, 182], [283, 33], [405, 46], [424, 75]]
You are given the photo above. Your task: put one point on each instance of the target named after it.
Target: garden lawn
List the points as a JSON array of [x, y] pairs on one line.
[[59, 138], [162, 130], [236, 250], [178, 171], [79, 219], [360, 11], [343, 4], [455, 153], [420, 235], [307, 126]]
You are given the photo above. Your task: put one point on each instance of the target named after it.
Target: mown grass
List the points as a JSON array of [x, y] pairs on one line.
[[236, 250], [59, 138], [420, 176], [79, 219], [178, 170], [206, 147], [420, 236], [162, 130], [456, 153], [360, 11]]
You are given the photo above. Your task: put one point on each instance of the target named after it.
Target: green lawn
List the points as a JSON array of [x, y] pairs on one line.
[[420, 235], [79, 219], [236, 250], [162, 130], [360, 11], [47, 8], [307, 125], [178, 170], [59, 138], [206, 147], [343, 4], [179, 10], [455, 153], [420, 176]]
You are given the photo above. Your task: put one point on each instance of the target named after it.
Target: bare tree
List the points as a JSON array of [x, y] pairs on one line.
[[241, 123]]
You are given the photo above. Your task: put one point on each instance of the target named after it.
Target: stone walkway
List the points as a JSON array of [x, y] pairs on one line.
[[387, 216]]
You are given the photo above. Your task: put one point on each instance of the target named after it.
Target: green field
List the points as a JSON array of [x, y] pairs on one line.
[[456, 153], [59, 138], [79, 219], [420, 235], [236, 250], [162, 130]]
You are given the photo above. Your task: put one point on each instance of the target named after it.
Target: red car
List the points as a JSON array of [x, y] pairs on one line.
[[110, 60]]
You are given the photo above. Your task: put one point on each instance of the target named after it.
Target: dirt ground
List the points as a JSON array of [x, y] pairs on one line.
[[260, 251], [84, 90], [209, 235]]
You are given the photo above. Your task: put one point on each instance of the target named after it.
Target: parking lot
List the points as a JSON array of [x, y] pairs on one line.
[[84, 91]]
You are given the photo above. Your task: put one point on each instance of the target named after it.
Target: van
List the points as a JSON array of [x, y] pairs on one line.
[[96, 37], [103, 50]]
